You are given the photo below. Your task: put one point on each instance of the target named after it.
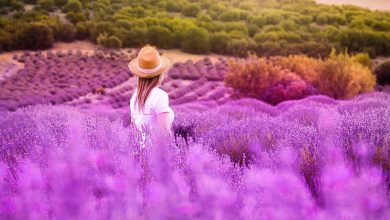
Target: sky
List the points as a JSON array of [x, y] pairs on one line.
[[371, 4]]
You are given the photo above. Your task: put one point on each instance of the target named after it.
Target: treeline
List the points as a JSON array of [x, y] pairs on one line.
[[233, 27]]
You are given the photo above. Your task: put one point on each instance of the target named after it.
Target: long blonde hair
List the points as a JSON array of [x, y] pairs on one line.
[[144, 87]]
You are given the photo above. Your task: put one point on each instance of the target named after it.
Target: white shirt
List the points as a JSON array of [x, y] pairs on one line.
[[157, 102]]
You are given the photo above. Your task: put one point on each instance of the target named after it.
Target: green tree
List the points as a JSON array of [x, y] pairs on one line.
[[109, 41], [17, 5], [191, 10], [100, 27], [73, 5], [231, 15], [75, 17], [33, 2], [82, 30], [66, 32], [6, 41], [47, 5], [219, 42], [35, 36], [134, 37], [160, 36], [60, 3], [174, 6], [196, 40], [383, 73]]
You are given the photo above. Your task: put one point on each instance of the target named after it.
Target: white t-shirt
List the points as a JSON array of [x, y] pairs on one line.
[[157, 102]]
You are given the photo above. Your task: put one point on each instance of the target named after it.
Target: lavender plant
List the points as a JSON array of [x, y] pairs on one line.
[[315, 158]]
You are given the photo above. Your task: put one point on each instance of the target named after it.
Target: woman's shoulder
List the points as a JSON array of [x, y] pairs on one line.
[[159, 92]]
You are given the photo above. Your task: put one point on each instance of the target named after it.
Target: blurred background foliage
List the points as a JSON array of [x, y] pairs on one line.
[[231, 27]]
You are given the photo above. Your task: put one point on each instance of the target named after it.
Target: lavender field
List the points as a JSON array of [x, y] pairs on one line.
[[70, 151], [315, 158], [281, 110]]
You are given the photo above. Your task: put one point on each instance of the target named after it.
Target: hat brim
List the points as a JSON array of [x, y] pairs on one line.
[[133, 67]]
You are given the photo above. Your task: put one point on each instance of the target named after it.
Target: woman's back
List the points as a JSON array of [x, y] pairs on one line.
[[157, 102]]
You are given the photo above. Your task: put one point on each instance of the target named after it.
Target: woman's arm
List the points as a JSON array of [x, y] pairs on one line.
[[163, 125]]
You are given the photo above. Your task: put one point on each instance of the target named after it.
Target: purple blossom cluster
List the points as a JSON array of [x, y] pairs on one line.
[[315, 158]]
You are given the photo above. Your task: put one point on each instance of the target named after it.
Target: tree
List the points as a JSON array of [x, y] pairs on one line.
[[17, 5], [133, 37], [35, 36], [100, 27], [109, 41], [47, 5], [196, 40], [33, 2], [231, 15], [160, 36], [66, 32], [60, 3], [219, 42], [191, 10], [174, 6], [73, 5], [6, 41], [75, 17], [82, 30], [383, 73]]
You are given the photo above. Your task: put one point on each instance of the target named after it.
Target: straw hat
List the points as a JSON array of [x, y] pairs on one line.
[[148, 63]]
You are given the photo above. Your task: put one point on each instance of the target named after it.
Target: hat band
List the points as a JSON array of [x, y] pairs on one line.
[[150, 70]]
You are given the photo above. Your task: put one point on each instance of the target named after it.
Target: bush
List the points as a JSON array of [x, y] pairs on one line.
[[73, 5], [66, 32], [252, 76], [383, 73], [17, 5], [301, 65], [287, 90], [191, 10], [160, 36], [342, 78], [33, 2], [241, 47], [98, 28], [47, 5], [82, 30], [176, 6], [363, 58], [35, 36], [60, 3], [231, 15], [219, 42], [106, 41], [75, 17], [6, 41], [135, 37], [196, 40], [338, 76], [364, 41]]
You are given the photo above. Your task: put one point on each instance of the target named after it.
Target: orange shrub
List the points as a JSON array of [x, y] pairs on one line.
[[341, 77], [252, 76], [302, 65]]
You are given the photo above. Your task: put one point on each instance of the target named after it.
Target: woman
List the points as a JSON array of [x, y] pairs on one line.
[[149, 105]]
